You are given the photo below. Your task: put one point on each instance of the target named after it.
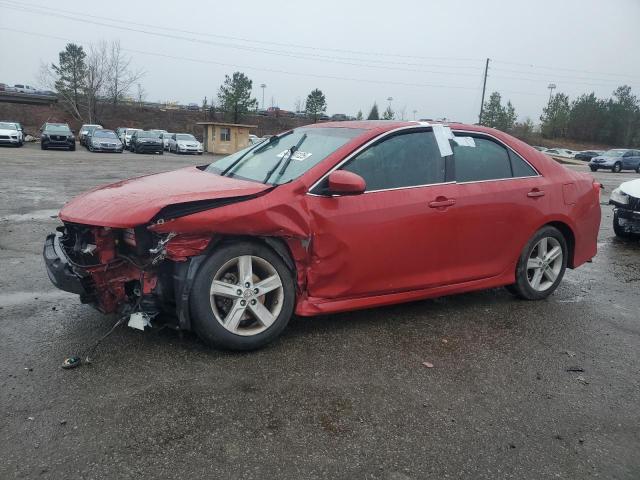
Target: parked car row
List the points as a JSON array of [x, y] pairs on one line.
[[28, 89], [11, 134], [136, 140]]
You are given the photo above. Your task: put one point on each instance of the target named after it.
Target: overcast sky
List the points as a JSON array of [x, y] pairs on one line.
[[427, 55]]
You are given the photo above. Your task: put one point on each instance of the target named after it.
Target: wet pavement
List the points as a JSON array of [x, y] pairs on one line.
[[340, 396]]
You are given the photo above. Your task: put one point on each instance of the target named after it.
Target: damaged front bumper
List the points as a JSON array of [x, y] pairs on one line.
[[628, 214], [125, 271], [59, 269]]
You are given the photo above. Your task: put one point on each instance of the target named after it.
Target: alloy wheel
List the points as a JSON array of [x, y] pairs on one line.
[[246, 295], [544, 264]]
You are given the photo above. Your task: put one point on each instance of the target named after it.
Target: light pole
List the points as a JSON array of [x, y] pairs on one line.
[[414, 114], [389, 99], [263, 86], [551, 86]]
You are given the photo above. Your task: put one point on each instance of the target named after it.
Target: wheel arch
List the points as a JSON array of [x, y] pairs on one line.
[[186, 272], [569, 237]]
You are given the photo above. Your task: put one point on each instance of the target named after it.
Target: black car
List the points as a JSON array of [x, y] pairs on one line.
[[57, 135], [146, 142], [101, 140], [586, 155]]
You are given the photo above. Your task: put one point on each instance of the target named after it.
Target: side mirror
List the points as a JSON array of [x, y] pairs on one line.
[[342, 182]]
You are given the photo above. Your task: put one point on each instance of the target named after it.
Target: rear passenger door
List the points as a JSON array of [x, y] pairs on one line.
[[500, 198]]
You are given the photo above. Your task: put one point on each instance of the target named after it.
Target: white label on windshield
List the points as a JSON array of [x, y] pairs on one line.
[[298, 155], [443, 134], [465, 141]]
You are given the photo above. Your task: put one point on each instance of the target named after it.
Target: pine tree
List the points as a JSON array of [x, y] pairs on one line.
[[388, 114], [316, 104], [373, 114], [71, 73], [234, 95], [555, 117]]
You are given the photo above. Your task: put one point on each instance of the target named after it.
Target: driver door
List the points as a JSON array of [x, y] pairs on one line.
[[393, 237]]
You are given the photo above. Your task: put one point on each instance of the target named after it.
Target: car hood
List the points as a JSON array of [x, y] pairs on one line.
[[631, 188], [136, 201], [8, 132]]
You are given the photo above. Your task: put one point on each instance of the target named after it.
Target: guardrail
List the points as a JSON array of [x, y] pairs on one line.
[[27, 98]]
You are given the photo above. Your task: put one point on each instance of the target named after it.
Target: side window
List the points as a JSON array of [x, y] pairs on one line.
[[486, 161], [225, 134], [520, 167], [403, 160]]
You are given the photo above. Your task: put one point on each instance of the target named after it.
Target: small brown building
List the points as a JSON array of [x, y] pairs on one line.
[[225, 138]]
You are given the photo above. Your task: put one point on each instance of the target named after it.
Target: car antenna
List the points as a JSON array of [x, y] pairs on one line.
[[73, 361]]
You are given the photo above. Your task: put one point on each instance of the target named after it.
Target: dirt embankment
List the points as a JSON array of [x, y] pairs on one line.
[[33, 116]]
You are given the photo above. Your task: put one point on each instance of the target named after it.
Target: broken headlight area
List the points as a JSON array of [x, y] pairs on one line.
[[119, 270], [627, 211]]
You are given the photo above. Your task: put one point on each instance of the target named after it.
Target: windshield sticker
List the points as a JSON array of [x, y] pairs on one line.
[[298, 155]]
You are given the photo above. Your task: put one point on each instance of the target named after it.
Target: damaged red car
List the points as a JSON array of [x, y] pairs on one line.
[[327, 218]]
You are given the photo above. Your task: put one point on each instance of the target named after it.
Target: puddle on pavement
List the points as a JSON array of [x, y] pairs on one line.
[[18, 298], [35, 215]]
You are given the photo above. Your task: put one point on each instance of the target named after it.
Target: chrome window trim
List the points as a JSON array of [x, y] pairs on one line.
[[413, 127]]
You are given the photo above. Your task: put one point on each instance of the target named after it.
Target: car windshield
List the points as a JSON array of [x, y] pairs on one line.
[[185, 136], [614, 153], [104, 134], [295, 151], [131, 131], [58, 128], [148, 135], [8, 126]]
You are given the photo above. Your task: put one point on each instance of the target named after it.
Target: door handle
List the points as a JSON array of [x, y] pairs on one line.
[[535, 193], [442, 202]]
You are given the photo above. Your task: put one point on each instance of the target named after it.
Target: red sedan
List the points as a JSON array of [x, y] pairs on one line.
[[327, 218]]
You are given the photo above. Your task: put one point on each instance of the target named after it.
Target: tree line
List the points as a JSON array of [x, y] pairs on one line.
[[611, 121], [86, 81]]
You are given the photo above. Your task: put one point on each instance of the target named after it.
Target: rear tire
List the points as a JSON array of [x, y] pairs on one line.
[[541, 265], [617, 167], [231, 319]]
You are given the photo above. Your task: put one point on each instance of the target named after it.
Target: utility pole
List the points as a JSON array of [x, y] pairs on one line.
[[414, 114], [484, 88], [263, 86], [551, 87]]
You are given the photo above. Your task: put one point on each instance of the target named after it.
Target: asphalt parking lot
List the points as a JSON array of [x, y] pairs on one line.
[[340, 396]]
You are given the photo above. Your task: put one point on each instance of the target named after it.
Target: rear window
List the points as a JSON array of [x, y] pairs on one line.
[[488, 160]]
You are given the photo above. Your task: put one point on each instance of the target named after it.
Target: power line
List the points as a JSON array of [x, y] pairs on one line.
[[556, 75], [249, 67], [564, 69], [307, 56], [244, 39]]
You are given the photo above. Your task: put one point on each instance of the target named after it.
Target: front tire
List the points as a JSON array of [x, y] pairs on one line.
[[242, 298], [541, 265], [594, 169], [617, 167]]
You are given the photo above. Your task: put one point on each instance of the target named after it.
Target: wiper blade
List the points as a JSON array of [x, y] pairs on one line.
[[259, 147], [286, 161]]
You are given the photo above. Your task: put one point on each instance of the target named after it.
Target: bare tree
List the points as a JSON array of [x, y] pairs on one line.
[[121, 77], [96, 79], [141, 94], [402, 113]]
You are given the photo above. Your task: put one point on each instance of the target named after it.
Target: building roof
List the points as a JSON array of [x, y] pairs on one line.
[[222, 124]]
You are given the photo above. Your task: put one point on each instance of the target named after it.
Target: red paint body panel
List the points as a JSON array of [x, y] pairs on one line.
[[134, 202], [376, 248]]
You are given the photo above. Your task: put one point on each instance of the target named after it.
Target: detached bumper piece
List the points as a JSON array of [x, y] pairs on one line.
[[629, 220], [59, 270]]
